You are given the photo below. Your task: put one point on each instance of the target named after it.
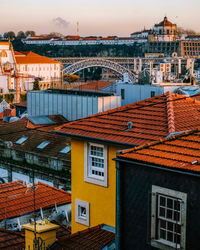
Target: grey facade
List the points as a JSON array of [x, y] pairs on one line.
[[134, 204]]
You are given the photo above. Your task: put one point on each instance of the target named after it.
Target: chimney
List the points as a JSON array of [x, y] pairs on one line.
[[45, 235]]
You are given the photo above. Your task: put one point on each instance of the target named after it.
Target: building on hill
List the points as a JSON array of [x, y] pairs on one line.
[[96, 139], [7, 66], [164, 31], [158, 194], [46, 70]]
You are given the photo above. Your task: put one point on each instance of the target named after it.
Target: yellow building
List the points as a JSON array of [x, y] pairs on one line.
[[95, 141]]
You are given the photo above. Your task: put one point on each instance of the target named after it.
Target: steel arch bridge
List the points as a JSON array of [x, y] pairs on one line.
[[98, 62]]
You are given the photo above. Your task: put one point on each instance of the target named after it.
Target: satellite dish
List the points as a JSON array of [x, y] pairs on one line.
[[174, 54]]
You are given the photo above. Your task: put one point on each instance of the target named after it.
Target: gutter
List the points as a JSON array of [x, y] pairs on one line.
[[97, 139], [118, 216], [173, 170]]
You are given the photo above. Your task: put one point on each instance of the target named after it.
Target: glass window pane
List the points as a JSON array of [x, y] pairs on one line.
[[21, 140], [43, 144]]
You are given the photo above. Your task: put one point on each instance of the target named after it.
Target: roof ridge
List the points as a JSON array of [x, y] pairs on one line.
[[159, 141], [170, 113]]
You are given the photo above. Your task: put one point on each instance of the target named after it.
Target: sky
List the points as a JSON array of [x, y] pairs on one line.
[[95, 17]]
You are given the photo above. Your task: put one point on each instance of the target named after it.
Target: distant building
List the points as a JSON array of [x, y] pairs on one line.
[[164, 31], [7, 67], [46, 70], [77, 40], [19, 70], [158, 194]]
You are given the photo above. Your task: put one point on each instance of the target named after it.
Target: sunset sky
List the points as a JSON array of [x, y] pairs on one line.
[[95, 17]]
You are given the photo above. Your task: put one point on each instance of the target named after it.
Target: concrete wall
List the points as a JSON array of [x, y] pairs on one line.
[[72, 107], [134, 93]]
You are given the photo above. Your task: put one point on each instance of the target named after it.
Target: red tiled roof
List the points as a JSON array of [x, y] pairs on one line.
[[11, 240], [33, 58], [17, 199], [152, 119], [94, 85], [17, 53], [180, 151], [94, 238], [7, 112]]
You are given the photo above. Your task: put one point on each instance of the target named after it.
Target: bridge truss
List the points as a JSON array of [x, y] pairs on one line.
[[99, 62]]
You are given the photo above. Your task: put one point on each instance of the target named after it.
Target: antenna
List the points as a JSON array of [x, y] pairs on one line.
[[35, 242], [77, 28]]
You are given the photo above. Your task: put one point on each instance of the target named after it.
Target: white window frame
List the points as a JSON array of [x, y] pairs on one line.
[[161, 243], [85, 220], [88, 176]]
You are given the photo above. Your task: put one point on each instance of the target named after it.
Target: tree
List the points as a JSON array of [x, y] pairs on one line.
[[9, 35], [21, 35], [36, 85], [70, 78], [30, 32], [55, 34]]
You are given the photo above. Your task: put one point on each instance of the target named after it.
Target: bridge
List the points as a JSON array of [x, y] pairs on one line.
[[120, 65], [99, 62]]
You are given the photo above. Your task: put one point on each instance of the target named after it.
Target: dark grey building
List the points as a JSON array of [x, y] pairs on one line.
[[158, 195]]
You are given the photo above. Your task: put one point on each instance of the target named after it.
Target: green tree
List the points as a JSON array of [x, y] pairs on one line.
[[36, 85], [30, 32], [70, 78], [21, 35], [9, 35]]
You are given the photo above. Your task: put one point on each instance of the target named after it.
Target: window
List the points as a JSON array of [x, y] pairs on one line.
[[21, 140], [95, 164], [123, 93], [168, 224], [82, 212], [152, 93], [43, 144], [65, 150]]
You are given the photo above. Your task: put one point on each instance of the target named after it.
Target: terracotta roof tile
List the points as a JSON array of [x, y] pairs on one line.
[[16, 198], [94, 238], [151, 119], [11, 240], [94, 85], [33, 58], [180, 151]]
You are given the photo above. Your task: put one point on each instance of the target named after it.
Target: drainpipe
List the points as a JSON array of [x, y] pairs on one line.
[[118, 207]]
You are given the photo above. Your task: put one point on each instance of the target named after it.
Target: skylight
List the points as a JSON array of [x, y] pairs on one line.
[[65, 150], [21, 140], [43, 144]]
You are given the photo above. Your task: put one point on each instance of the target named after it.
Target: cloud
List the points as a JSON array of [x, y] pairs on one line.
[[58, 21]]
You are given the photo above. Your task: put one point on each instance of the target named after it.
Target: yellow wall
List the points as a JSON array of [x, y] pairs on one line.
[[101, 199], [48, 237]]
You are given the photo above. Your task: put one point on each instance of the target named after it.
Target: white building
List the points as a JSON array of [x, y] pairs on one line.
[[31, 66], [164, 31], [77, 40], [7, 67]]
